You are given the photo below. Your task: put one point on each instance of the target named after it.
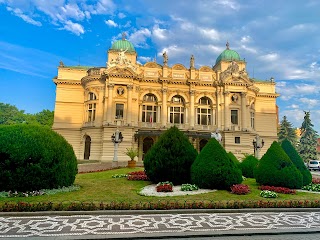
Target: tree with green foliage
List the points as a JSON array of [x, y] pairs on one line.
[[10, 114], [297, 161], [213, 168], [276, 169], [248, 164], [33, 157], [286, 131], [308, 140], [170, 158]]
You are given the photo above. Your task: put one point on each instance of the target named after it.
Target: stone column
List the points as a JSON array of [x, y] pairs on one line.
[[226, 111], [218, 109], [191, 108], [243, 111], [164, 108], [129, 104], [110, 98]]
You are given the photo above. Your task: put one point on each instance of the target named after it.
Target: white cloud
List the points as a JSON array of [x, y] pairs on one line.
[[75, 28], [210, 33], [144, 59], [140, 37], [121, 15], [159, 33], [270, 57], [17, 12], [245, 39], [309, 103], [111, 23]]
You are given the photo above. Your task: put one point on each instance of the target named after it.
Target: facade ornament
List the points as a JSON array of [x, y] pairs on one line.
[[234, 98], [120, 91], [216, 135], [121, 60], [192, 61], [61, 64], [111, 85], [129, 87], [165, 58]]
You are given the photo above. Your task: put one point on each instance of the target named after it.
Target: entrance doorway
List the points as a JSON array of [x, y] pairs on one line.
[[147, 144], [87, 147], [202, 143]]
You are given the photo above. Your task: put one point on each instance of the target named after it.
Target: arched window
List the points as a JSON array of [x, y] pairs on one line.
[[149, 108], [204, 112], [91, 107], [177, 110]]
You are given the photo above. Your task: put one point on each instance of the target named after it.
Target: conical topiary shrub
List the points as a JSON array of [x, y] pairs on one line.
[[248, 165], [213, 169], [276, 169], [170, 158], [233, 158], [297, 161]]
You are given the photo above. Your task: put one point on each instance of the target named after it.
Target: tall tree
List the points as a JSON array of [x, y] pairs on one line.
[[10, 114], [286, 131], [308, 140]]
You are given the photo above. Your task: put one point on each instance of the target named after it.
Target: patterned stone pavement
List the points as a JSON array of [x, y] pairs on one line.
[[144, 225]]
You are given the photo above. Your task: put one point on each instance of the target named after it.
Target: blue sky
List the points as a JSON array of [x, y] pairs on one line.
[[277, 38]]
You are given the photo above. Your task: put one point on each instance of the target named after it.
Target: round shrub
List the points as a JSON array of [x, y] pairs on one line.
[[170, 158], [297, 161], [34, 158], [276, 169], [248, 165], [213, 169]]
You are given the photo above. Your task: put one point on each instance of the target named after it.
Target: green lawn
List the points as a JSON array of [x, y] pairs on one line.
[[101, 187]]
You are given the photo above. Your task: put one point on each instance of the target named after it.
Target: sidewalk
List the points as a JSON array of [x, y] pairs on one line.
[[158, 224]]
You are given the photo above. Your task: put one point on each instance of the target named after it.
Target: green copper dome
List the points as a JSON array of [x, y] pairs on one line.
[[122, 45], [228, 55]]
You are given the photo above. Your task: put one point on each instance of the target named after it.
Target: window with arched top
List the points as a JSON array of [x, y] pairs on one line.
[[92, 96], [91, 106], [177, 110], [204, 111], [149, 108]]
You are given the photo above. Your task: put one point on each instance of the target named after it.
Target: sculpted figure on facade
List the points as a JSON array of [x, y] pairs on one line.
[[192, 61], [165, 59]]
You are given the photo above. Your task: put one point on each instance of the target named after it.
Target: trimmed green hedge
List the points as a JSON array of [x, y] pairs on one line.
[[34, 158], [170, 158], [213, 169], [297, 161], [248, 165], [276, 169]]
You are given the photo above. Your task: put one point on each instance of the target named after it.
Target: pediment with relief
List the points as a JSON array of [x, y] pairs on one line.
[[121, 72], [233, 75]]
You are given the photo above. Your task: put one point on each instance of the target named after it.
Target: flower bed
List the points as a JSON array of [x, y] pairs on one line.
[[316, 180], [312, 187], [278, 189], [240, 189], [139, 175], [119, 175], [164, 187], [268, 194], [189, 187]]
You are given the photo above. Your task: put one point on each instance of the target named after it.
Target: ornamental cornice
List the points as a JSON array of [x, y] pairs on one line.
[[88, 79], [151, 80], [67, 82], [268, 95], [254, 89]]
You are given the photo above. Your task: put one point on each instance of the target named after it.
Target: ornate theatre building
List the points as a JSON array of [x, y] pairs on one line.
[[142, 101]]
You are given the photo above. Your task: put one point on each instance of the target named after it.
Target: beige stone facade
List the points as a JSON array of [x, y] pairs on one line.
[[144, 100]]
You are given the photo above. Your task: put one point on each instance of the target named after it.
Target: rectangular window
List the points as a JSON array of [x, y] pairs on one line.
[[237, 140], [234, 117], [252, 119], [204, 116], [91, 112], [119, 111], [177, 115], [149, 113]]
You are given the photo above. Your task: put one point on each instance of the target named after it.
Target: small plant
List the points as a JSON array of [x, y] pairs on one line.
[[131, 153], [316, 180], [268, 194], [119, 175], [139, 175], [240, 189], [312, 187], [278, 189], [164, 187], [189, 187]]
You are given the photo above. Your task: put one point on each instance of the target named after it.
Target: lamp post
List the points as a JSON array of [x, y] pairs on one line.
[[258, 143], [116, 138]]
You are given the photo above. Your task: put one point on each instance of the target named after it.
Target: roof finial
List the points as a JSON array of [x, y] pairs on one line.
[[124, 36], [228, 45]]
